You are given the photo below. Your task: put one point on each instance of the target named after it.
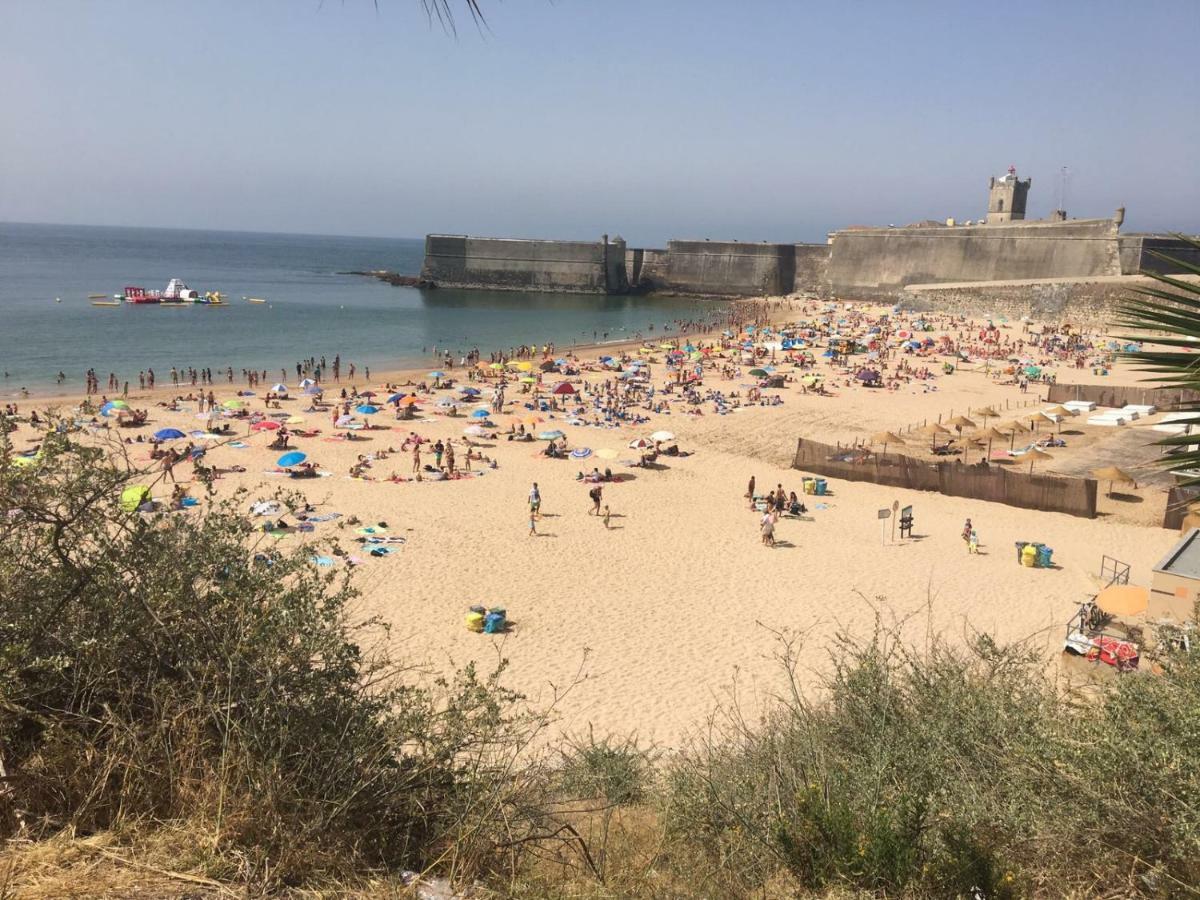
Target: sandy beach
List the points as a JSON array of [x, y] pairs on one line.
[[675, 604]]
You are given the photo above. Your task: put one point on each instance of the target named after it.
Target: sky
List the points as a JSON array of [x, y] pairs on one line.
[[754, 120]]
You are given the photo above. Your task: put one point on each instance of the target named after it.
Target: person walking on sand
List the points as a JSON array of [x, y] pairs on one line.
[[606, 518], [966, 532], [596, 493], [532, 523], [750, 492], [767, 526], [535, 501]]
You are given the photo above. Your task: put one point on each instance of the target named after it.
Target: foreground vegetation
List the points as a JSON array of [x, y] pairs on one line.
[[181, 692]]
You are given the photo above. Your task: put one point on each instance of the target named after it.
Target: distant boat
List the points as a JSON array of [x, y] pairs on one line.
[[212, 298], [106, 302], [254, 299], [97, 296]]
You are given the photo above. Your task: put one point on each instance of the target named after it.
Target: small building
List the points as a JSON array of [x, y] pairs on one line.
[[1176, 581]]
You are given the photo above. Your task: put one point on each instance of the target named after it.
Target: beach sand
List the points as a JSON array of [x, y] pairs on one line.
[[678, 604]]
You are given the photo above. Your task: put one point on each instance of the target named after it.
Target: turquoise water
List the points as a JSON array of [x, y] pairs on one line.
[[311, 309]]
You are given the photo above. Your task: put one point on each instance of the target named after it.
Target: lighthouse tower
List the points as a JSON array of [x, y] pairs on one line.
[[1006, 198]]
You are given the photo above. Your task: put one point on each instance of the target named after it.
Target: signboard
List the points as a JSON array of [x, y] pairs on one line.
[[885, 514]]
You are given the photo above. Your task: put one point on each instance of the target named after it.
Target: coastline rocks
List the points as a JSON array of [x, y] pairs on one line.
[[396, 279]]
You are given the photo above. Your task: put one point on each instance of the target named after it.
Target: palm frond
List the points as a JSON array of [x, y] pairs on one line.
[[1169, 317]]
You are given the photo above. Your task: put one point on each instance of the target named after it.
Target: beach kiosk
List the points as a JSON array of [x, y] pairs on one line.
[[1176, 581]]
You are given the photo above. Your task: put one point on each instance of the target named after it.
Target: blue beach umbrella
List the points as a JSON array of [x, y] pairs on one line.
[[291, 459], [367, 409], [480, 414], [394, 398], [168, 434], [313, 391], [437, 374], [553, 435], [471, 392]]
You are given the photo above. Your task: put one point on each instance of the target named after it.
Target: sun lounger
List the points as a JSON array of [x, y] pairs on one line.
[[1108, 420], [1144, 409], [1080, 406]]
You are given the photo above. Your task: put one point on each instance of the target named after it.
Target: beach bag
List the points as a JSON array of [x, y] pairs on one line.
[[495, 621]]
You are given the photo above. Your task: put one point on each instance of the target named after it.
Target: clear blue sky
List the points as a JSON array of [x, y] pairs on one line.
[[749, 119]]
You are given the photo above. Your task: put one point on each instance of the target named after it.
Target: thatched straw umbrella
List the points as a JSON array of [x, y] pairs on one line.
[[885, 438], [960, 422], [986, 413], [989, 435], [933, 429], [1036, 454], [1062, 412], [1038, 417], [1112, 474], [1012, 429]]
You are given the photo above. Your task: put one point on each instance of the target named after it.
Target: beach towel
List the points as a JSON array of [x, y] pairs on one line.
[[238, 445], [390, 539], [324, 517], [372, 529], [323, 561]]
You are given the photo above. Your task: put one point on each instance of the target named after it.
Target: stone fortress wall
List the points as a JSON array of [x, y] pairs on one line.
[[1025, 266], [588, 267]]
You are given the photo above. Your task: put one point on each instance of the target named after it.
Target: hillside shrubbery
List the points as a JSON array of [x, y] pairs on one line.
[[185, 670]]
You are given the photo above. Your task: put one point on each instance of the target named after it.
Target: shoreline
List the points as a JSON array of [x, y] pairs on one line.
[[779, 309]]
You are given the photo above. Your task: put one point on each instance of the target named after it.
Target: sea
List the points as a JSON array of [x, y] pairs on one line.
[[48, 325]]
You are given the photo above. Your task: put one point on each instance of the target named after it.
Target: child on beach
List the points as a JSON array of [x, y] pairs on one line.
[[606, 518]]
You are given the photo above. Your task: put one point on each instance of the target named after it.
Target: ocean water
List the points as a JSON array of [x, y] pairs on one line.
[[311, 310]]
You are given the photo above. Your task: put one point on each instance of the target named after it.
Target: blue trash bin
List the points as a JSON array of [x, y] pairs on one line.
[[820, 487], [494, 622], [1044, 554]]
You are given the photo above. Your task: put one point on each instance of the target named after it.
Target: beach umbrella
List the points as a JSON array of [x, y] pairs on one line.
[[168, 434], [552, 435], [475, 431], [134, 496], [989, 435], [1012, 429], [528, 379], [663, 436], [313, 391], [960, 422], [885, 438], [481, 414], [581, 453], [307, 382], [233, 404], [495, 366], [1034, 455], [264, 426], [757, 372], [437, 373], [368, 394], [410, 400], [986, 413], [607, 453], [280, 388], [342, 421], [367, 409], [932, 430], [1123, 599], [564, 389], [291, 459], [1039, 417], [524, 366], [112, 405], [641, 444], [1112, 474], [470, 391]]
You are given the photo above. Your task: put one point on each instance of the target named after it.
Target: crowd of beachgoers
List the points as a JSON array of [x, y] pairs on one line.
[[651, 441]]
